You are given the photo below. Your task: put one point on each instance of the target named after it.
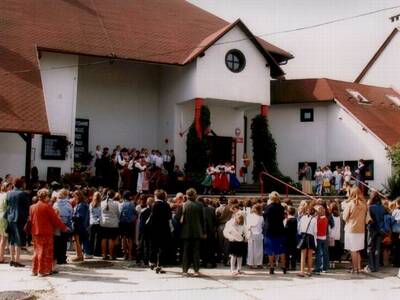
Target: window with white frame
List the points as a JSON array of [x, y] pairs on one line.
[[357, 96], [394, 99]]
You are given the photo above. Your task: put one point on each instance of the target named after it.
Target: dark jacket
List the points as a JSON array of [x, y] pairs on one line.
[[210, 220], [193, 220], [159, 221], [274, 214], [17, 207], [377, 213]]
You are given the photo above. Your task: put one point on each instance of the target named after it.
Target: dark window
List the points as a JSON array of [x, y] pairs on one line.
[[313, 166], [307, 115], [235, 61], [54, 147]]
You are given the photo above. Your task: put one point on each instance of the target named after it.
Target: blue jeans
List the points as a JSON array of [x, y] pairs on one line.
[[322, 257], [374, 249]]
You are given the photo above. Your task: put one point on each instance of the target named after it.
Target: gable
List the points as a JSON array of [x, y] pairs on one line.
[[215, 80]]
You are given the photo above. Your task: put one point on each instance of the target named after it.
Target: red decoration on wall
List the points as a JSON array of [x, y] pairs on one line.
[[264, 110], [197, 106]]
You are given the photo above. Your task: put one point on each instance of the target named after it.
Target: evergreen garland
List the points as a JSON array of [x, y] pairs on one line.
[[196, 150], [264, 148]]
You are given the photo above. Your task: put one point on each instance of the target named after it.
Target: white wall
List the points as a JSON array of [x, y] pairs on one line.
[[177, 84], [215, 80], [386, 70], [347, 141], [298, 141], [121, 102], [59, 74], [12, 154], [333, 136]]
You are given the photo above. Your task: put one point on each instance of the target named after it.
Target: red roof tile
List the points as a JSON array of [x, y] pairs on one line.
[[146, 30], [381, 116]]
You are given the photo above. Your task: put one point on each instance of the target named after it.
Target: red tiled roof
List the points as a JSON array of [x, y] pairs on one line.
[[146, 30], [377, 54], [381, 115]]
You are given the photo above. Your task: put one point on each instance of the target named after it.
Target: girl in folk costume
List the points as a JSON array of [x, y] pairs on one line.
[[233, 181], [125, 172], [208, 180], [141, 166], [221, 181], [255, 225], [244, 169]]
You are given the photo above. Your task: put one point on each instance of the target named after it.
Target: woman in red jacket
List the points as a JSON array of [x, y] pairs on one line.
[[43, 221]]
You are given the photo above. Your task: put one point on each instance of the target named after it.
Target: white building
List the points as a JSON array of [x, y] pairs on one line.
[[129, 71], [330, 122]]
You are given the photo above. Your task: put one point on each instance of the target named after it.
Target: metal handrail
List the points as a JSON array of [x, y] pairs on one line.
[[264, 173], [368, 187]]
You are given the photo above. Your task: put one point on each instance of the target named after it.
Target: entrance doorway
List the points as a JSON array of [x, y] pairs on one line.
[[221, 149]]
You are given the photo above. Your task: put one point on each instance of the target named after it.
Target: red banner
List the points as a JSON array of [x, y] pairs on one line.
[[264, 110], [197, 112]]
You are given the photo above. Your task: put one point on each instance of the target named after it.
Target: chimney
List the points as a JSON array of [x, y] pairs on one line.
[[395, 18]]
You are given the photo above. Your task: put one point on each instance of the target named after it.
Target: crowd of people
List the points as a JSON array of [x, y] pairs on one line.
[[197, 231], [328, 182], [139, 171]]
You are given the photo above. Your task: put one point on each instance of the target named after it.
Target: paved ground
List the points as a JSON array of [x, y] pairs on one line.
[[121, 281]]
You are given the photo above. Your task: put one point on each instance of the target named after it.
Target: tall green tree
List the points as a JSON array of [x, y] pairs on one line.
[[393, 182], [196, 149], [264, 147]]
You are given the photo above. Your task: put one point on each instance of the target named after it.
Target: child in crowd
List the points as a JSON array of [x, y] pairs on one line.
[[255, 224], [235, 233], [307, 228], [318, 181], [321, 258], [291, 238], [126, 224], [335, 245]]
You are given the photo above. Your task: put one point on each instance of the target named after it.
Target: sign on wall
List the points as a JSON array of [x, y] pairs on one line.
[[54, 147], [81, 146]]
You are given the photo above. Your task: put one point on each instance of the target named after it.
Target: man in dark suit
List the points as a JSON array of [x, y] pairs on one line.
[[160, 230], [192, 219], [208, 245], [17, 215]]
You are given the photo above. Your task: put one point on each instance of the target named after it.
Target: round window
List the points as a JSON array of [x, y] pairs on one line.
[[235, 60]]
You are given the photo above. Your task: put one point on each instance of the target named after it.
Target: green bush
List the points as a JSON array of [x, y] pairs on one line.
[[393, 186]]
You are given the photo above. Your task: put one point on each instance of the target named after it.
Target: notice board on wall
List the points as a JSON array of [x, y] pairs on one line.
[[81, 145]]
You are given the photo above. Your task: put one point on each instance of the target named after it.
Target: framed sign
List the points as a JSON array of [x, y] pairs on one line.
[[54, 147], [81, 147]]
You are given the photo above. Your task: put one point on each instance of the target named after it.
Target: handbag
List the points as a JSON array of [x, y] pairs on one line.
[[303, 236]]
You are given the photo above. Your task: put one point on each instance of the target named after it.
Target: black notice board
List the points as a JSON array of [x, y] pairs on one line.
[[81, 146], [53, 147]]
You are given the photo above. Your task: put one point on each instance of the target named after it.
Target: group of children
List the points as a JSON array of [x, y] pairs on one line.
[[220, 179], [315, 227], [327, 181]]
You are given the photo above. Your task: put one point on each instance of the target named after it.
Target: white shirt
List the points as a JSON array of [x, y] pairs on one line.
[[303, 224], [335, 231], [255, 224], [159, 161]]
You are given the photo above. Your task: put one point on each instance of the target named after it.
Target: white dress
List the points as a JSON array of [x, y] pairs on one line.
[[255, 252]]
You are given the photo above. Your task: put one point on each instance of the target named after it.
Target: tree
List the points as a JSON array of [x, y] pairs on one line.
[[196, 148], [264, 147], [393, 182]]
